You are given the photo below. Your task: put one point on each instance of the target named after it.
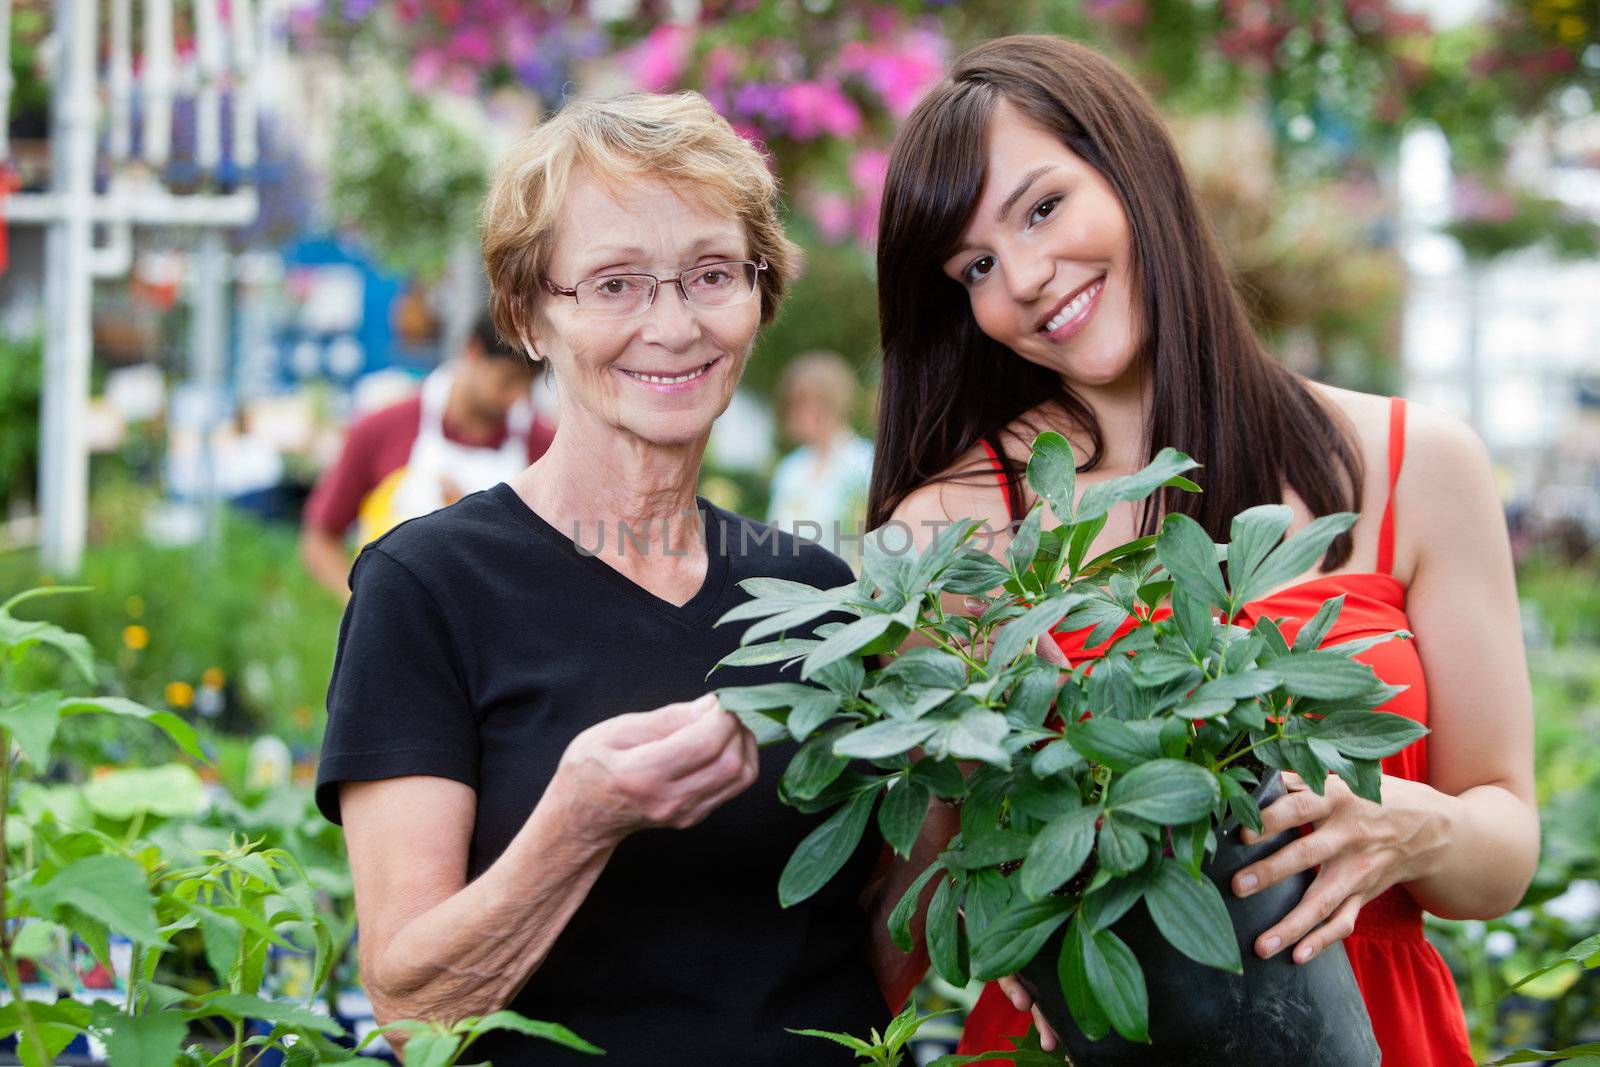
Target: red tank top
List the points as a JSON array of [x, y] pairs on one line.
[[1409, 992]]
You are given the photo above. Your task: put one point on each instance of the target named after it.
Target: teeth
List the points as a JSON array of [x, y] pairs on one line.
[[656, 379], [1071, 311]]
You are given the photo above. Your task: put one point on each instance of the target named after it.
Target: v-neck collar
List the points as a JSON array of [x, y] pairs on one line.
[[689, 613]]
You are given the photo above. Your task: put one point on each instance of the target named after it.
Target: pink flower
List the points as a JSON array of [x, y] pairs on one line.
[[474, 45], [426, 68], [868, 171], [832, 212], [899, 72], [817, 108], [657, 62]]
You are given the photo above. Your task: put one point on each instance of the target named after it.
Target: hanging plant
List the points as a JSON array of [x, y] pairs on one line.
[[408, 176]]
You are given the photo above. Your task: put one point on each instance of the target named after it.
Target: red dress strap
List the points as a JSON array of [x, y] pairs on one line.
[[1000, 475], [1397, 455]]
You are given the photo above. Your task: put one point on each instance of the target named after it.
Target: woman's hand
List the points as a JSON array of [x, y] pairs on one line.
[[1361, 849], [1015, 992], [669, 767]]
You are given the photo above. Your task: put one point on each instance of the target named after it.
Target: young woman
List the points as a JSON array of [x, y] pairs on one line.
[[1043, 265]]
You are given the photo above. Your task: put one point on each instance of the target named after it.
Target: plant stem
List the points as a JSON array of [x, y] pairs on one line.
[[30, 1029]]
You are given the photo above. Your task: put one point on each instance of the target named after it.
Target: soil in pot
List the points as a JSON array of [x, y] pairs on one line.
[[1277, 1011]]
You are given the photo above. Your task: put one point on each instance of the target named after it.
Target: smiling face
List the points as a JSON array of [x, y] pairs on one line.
[[1047, 258], [664, 374]]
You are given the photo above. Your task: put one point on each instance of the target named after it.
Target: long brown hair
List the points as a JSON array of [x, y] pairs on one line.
[[1218, 394]]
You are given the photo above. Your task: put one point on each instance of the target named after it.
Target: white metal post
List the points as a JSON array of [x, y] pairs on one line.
[[64, 455]]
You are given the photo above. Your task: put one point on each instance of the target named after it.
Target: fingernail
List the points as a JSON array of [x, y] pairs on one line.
[[974, 605], [707, 701], [1272, 944], [1304, 953], [1247, 883], [1248, 836]]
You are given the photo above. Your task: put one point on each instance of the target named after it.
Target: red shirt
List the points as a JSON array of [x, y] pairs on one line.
[[379, 444]]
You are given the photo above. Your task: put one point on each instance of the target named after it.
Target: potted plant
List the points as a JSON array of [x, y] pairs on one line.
[[1100, 806]]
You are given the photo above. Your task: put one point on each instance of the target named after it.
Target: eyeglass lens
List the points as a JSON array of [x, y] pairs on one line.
[[713, 285]]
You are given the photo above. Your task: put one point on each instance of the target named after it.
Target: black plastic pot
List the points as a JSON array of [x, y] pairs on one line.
[[1277, 1011]]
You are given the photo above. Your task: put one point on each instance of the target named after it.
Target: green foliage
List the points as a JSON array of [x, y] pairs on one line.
[[887, 1049], [408, 177], [21, 381], [118, 858], [1084, 806], [242, 625]]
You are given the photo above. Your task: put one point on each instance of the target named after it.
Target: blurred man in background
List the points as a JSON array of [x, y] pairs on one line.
[[824, 481], [472, 425]]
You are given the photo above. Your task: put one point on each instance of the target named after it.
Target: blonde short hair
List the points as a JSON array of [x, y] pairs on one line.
[[678, 139], [824, 375]]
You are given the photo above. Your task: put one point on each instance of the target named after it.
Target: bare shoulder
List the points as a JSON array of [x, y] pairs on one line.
[[970, 489]]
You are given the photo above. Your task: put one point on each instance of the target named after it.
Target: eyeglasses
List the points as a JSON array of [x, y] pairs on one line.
[[616, 296]]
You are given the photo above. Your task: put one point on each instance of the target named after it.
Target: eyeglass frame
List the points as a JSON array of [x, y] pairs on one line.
[[760, 264]]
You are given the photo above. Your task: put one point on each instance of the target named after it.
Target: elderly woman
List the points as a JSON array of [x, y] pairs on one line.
[[542, 810]]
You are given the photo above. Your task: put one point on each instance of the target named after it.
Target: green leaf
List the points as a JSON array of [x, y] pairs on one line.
[[1218, 696], [1164, 470], [1313, 633], [1368, 734], [1016, 937], [1190, 557], [846, 641], [110, 889], [1361, 644], [997, 846], [932, 668], [1576, 1054], [1585, 952], [181, 733], [1294, 557], [975, 735], [854, 1044], [1109, 902], [553, 1032], [947, 947], [1118, 984], [825, 850], [1078, 542], [888, 737], [1191, 915], [1122, 847], [901, 814], [786, 621], [137, 1040], [906, 909], [277, 1012], [1323, 675], [17, 634], [1053, 474], [33, 723], [1059, 851], [974, 574], [790, 648], [1073, 972], [172, 789], [1253, 534], [1019, 636], [1112, 743], [768, 730], [431, 1049], [943, 777], [1025, 543], [1055, 757], [1165, 791], [814, 767]]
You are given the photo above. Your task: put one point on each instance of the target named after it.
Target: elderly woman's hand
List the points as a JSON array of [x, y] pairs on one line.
[[669, 767]]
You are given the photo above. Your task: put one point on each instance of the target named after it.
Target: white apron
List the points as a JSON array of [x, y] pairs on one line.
[[439, 471]]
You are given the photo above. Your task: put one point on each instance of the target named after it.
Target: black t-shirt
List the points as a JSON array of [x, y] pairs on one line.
[[478, 642]]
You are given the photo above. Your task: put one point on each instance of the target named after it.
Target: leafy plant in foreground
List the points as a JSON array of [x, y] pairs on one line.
[[1083, 792], [881, 1050], [91, 865]]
